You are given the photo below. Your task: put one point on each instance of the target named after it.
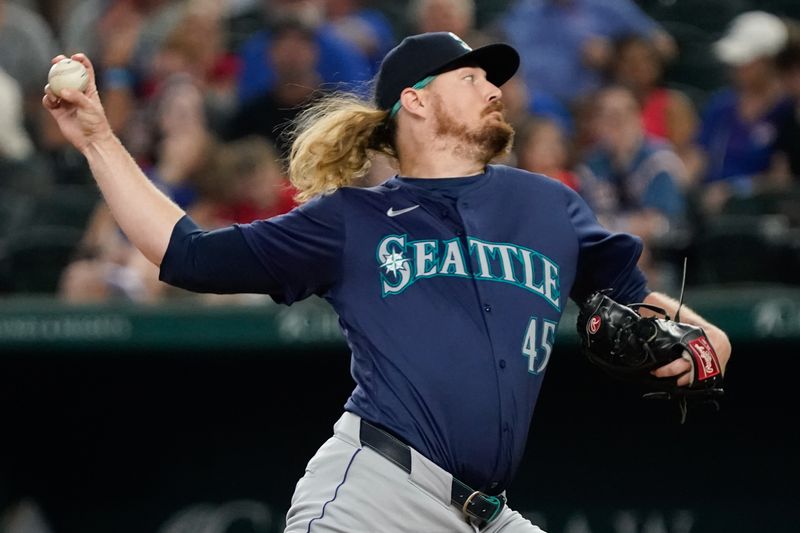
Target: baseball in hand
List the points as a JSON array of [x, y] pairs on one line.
[[67, 74]]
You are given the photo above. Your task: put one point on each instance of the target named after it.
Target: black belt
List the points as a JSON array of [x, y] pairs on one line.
[[474, 504]]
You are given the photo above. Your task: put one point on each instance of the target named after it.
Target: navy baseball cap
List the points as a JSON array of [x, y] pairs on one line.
[[419, 57]]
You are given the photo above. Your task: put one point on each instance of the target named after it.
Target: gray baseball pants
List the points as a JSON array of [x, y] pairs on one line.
[[348, 488]]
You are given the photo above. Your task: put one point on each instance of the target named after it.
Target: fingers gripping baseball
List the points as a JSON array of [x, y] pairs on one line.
[[79, 114]]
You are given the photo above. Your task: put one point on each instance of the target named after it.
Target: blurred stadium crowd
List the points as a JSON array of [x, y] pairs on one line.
[[677, 120]]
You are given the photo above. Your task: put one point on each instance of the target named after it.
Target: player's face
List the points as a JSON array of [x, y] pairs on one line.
[[467, 107]]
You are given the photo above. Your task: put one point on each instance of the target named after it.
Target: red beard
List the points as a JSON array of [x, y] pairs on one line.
[[484, 143]]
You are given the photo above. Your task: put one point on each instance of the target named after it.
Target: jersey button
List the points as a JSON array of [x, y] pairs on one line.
[[487, 308], [459, 233], [502, 363]]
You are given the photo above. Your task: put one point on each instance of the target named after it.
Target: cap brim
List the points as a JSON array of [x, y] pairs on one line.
[[500, 61], [733, 52]]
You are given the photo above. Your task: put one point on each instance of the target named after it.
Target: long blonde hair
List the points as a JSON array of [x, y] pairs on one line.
[[332, 144]]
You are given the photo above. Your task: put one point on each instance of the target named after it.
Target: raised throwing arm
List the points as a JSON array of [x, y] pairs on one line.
[[144, 213]]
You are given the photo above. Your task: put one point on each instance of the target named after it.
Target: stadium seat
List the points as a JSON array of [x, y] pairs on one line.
[[742, 249], [31, 176], [67, 205], [32, 259], [712, 16], [784, 8], [780, 202], [696, 65], [15, 211]]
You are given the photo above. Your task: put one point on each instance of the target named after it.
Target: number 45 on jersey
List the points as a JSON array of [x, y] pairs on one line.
[[538, 343]]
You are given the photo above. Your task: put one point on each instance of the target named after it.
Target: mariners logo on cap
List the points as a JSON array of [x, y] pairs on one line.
[[458, 39]]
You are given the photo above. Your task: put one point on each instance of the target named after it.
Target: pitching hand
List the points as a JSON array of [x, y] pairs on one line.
[[79, 115]]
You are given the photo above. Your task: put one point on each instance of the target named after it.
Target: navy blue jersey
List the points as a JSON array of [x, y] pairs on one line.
[[449, 300]]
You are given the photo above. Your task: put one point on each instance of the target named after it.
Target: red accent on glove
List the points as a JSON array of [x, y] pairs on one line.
[[706, 362]]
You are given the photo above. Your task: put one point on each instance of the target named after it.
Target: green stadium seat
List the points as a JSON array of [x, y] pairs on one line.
[[740, 249], [783, 8], [785, 203], [15, 211], [31, 176], [713, 16], [67, 205], [32, 260], [696, 65]]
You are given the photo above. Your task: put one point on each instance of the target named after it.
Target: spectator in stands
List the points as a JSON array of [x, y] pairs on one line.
[[15, 144], [339, 62], [541, 146], [367, 29], [522, 103], [240, 182], [667, 114], [21, 169], [26, 46], [191, 59], [121, 33], [25, 42], [104, 268], [243, 182], [565, 44], [630, 180], [457, 16], [110, 31], [181, 146], [182, 139], [785, 166], [139, 43], [294, 55], [739, 124], [124, 36], [196, 46]]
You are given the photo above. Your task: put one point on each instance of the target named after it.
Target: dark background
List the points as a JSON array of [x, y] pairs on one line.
[[123, 441]]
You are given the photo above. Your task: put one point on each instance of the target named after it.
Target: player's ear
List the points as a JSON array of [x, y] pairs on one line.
[[412, 102]]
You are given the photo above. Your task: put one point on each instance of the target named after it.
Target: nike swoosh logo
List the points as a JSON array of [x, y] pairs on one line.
[[392, 213]]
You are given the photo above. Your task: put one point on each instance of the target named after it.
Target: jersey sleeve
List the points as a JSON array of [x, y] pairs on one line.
[[289, 257], [606, 260]]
